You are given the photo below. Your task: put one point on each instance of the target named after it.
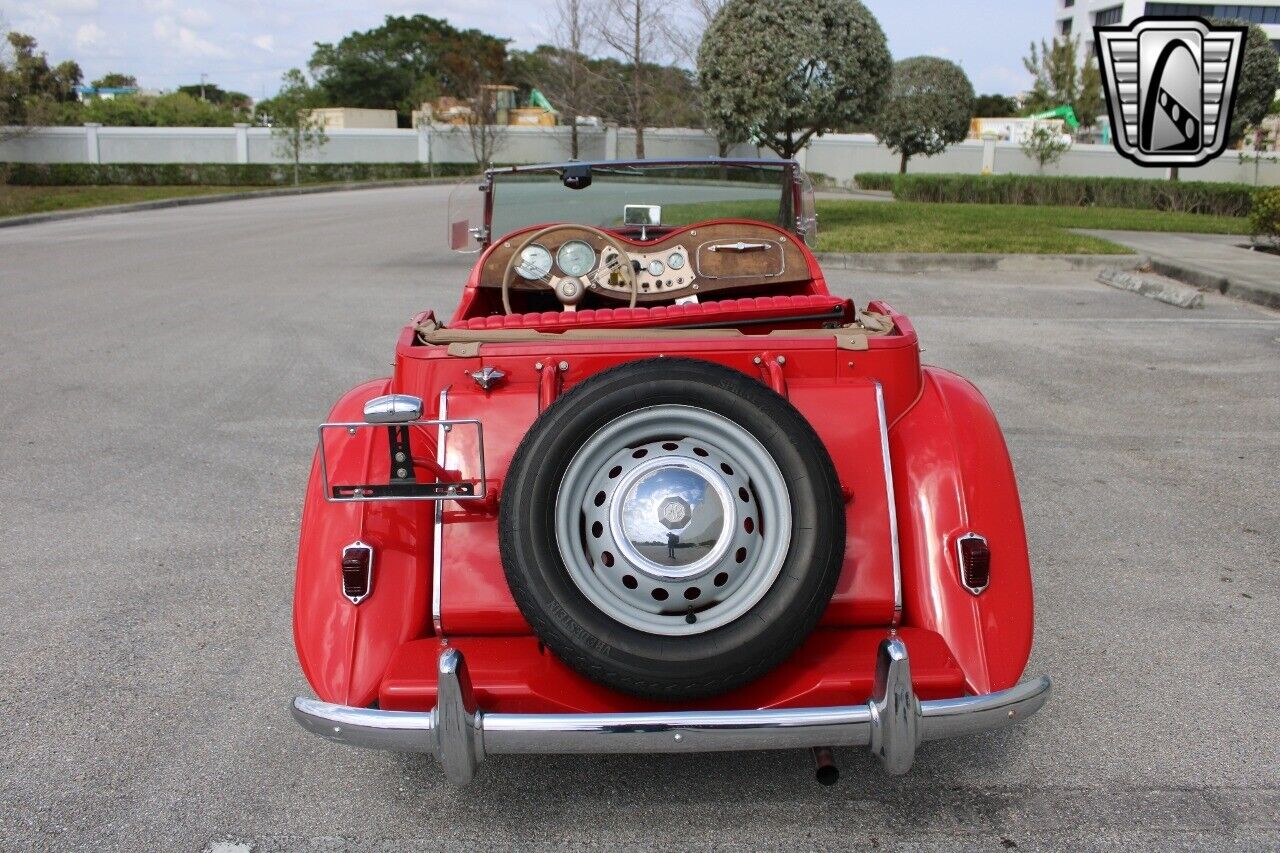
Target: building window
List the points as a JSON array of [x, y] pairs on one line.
[[1249, 14], [1067, 4], [1107, 17], [1064, 27]]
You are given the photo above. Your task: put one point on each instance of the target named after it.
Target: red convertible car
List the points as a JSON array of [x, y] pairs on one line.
[[653, 488]]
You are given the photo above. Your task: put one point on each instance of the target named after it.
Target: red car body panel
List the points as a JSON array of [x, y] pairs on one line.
[[951, 475]]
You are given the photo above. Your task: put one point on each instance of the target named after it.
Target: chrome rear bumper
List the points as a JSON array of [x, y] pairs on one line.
[[892, 723]]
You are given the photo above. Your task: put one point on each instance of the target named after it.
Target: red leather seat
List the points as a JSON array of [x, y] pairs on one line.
[[760, 309]]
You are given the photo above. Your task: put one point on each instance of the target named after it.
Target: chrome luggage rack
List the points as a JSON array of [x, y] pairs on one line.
[[399, 414]]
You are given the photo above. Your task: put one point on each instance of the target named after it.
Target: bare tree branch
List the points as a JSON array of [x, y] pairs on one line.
[[637, 31], [567, 78]]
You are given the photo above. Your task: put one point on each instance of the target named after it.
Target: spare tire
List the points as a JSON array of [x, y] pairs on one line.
[[672, 528]]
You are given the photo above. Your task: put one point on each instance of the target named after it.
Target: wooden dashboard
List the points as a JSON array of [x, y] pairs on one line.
[[695, 260]]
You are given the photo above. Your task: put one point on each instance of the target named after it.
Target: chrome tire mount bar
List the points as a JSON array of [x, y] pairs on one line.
[[460, 735]]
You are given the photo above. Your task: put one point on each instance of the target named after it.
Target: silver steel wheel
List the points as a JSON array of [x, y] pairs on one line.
[[673, 520]]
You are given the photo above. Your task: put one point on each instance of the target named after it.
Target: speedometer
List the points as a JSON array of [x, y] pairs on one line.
[[576, 258], [535, 263]]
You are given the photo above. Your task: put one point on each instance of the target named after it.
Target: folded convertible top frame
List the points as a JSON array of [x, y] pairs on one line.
[[850, 337]]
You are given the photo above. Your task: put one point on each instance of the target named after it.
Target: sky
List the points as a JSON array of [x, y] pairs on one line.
[[245, 45]]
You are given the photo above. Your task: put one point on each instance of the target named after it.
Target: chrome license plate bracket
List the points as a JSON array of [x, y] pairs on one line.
[[453, 470]]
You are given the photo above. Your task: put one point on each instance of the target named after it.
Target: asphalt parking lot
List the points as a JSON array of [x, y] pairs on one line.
[[162, 376]]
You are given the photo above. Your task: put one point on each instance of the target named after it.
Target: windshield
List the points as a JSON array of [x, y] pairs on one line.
[[640, 196]]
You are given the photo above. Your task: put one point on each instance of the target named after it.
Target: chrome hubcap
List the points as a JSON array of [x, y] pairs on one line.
[[673, 520], [671, 517]]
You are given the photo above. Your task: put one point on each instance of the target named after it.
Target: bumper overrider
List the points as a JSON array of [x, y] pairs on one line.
[[460, 735]]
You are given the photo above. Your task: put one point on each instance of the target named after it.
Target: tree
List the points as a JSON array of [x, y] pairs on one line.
[[1259, 80], [1060, 79], [484, 127], [994, 106], [633, 28], [929, 106], [293, 123], [562, 71], [1044, 145], [783, 71], [31, 91], [701, 14], [214, 94], [115, 80], [383, 68]]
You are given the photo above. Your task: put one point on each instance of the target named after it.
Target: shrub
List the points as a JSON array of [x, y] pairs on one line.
[[1045, 145], [220, 174], [874, 181], [1220, 199], [1264, 219]]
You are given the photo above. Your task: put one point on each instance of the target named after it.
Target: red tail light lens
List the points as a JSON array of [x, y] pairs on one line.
[[357, 571], [975, 562]]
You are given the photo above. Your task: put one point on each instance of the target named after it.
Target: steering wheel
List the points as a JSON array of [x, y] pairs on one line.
[[570, 290]]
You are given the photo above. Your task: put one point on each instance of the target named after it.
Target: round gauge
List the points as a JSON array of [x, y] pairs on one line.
[[676, 261], [535, 263], [656, 268], [576, 258]]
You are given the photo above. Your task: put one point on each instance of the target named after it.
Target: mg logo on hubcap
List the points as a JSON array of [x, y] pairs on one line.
[[674, 513]]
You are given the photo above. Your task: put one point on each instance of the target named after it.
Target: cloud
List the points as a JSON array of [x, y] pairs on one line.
[[72, 7], [184, 40], [195, 17], [265, 42], [88, 35]]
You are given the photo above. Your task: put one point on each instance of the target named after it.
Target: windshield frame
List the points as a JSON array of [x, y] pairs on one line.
[[793, 182]]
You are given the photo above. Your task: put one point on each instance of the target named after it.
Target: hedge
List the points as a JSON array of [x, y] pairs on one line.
[[1221, 199], [220, 174], [875, 181]]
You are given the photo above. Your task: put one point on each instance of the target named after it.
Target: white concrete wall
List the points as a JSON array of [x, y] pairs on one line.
[[839, 156]]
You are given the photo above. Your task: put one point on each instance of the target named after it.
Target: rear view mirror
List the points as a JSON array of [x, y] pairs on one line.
[[642, 214], [576, 177]]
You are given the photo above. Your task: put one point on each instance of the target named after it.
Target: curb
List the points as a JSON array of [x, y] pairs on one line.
[[1168, 292], [1208, 280], [952, 262], [187, 201]]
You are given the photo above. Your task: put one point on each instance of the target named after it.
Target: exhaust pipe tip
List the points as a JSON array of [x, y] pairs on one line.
[[824, 766]]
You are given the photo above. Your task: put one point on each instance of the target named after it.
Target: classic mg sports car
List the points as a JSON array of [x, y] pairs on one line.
[[653, 488]]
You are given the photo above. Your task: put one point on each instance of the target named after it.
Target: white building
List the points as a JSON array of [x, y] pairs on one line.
[[1077, 18]]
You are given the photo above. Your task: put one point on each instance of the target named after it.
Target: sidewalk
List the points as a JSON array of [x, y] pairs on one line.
[[1209, 261]]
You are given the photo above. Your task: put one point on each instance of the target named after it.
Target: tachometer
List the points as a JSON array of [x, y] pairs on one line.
[[535, 263], [576, 258]]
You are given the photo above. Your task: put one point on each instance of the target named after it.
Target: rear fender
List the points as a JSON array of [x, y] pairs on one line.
[[344, 648], [952, 476]]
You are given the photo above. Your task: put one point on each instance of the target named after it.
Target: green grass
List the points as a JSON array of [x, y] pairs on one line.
[[19, 200], [904, 226]]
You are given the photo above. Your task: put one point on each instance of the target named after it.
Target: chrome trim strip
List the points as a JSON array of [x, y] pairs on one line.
[[893, 506], [892, 723], [437, 531]]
